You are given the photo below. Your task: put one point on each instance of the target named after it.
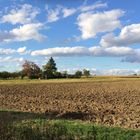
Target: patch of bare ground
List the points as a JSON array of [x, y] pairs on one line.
[[107, 103]]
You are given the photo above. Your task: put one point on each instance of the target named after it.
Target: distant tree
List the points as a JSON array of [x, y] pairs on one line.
[[58, 75], [31, 70], [9, 75], [86, 73], [5, 75], [49, 69], [15, 75], [65, 74], [78, 74]]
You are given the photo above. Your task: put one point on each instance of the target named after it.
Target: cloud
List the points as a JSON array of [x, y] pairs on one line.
[[134, 58], [112, 51], [127, 54], [90, 24], [62, 51], [129, 35], [93, 7], [23, 14], [68, 12], [5, 36], [11, 59], [84, 51], [23, 33], [53, 14], [21, 50], [28, 32], [118, 72], [107, 72], [6, 51], [12, 63], [61, 12]]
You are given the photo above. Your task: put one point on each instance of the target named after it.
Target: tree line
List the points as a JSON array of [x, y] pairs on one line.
[[48, 71]]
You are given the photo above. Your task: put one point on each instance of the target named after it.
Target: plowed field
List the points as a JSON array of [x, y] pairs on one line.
[[108, 103]]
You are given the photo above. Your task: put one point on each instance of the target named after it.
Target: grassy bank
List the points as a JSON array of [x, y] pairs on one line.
[[32, 126], [41, 129]]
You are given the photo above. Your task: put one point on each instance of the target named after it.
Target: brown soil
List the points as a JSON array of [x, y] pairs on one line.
[[108, 103]]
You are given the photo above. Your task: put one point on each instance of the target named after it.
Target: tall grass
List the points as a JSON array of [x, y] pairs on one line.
[[42, 129]]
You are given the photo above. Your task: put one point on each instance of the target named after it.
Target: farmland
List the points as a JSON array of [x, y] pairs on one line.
[[105, 102]]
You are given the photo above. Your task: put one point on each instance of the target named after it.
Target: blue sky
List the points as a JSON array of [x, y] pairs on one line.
[[102, 36]]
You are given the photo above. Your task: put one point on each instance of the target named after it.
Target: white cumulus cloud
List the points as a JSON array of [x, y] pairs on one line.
[[90, 24], [62, 51], [23, 33], [84, 51], [23, 15], [128, 54], [129, 35]]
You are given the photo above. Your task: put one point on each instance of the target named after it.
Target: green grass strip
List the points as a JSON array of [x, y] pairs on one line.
[[42, 129]]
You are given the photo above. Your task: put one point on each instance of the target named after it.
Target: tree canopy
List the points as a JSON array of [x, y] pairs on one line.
[[31, 69], [49, 69], [86, 73]]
